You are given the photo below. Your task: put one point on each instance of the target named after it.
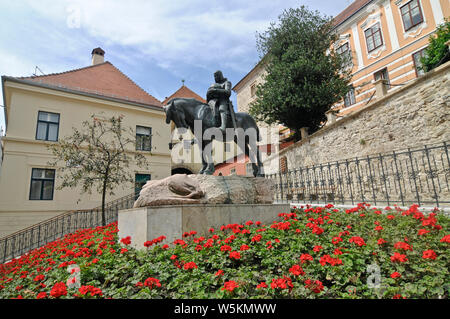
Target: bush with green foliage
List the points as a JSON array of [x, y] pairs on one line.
[[437, 52]]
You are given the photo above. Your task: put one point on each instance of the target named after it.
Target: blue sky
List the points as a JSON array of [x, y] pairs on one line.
[[157, 43]]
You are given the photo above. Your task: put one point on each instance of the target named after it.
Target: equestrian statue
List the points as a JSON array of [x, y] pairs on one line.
[[218, 122]]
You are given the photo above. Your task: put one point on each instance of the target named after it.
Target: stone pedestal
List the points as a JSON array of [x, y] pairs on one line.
[[147, 223], [182, 189]]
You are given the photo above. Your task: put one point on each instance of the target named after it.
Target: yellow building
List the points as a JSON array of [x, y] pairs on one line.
[[41, 109]]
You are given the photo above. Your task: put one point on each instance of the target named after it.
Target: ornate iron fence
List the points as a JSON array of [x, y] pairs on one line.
[[412, 176], [23, 241]]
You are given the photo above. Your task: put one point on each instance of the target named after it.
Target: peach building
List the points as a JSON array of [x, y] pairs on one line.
[[385, 40]]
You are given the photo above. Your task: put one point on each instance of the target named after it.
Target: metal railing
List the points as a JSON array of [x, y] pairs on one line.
[[25, 240], [412, 176]]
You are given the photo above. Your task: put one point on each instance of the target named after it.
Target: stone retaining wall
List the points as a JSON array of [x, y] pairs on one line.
[[414, 115]]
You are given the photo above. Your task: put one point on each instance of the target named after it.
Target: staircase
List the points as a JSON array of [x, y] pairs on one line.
[[25, 240]]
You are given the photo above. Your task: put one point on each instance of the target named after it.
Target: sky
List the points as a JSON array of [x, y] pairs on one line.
[[156, 43]]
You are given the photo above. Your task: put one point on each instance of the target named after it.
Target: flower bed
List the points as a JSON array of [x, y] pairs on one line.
[[317, 252]]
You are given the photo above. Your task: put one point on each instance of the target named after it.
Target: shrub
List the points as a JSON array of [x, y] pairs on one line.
[[437, 52]]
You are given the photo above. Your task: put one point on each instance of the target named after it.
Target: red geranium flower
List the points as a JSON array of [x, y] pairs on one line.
[[244, 247], [445, 239], [357, 240], [397, 257], [317, 248], [41, 295], [225, 248], [422, 232], [395, 275], [402, 246], [126, 240], [219, 273], [305, 257], [296, 270], [314, 285], [235, 255], [58, 290], [262, 285], [152, 282], [93, 291], [336, 240], [282, 283], [429, 254], [190, 265], [230, 285]]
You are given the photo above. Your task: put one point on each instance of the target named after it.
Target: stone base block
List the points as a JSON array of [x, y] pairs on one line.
[[147, 223]]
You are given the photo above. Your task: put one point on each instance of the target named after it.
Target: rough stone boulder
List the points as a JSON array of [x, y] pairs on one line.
[[183, 189]]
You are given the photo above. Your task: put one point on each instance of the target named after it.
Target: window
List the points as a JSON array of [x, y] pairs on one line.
[[382, 74], [47, 126], [345, 53], [417, 64], [42, 184], [143, 138], [233, 171], [349, 98], [139, 182], [411, 14], [374, 39]]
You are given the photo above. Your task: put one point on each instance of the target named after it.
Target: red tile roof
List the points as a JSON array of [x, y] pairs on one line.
[[102, 79], [349, 11], [185, 92]]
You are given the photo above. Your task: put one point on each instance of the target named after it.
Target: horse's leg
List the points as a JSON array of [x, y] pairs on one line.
[[260, 168], [204, 162], [207, 152], [255, 156]]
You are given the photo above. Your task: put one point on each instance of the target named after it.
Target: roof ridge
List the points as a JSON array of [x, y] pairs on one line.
[[134, 82], [179, 90], [64, 72]]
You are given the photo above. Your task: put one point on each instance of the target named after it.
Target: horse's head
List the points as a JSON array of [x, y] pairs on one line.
[[175, 114]]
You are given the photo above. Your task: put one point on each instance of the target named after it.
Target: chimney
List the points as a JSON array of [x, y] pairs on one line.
[[98, 56]]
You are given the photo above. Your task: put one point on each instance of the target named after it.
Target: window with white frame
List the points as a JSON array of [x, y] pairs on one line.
[[349, 98], [47, 126], [345, 53], [42, 184], [143, 138], [374, 39], [417, 64], [411, 14], [382, 75]]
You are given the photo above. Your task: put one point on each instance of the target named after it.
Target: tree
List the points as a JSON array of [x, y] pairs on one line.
[[97, 156], [437, 52], [304, 76]]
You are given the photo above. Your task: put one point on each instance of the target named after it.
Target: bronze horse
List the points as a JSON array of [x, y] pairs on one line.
[[185, 112]]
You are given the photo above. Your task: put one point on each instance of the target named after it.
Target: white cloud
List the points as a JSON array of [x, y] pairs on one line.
[[171, 31]]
